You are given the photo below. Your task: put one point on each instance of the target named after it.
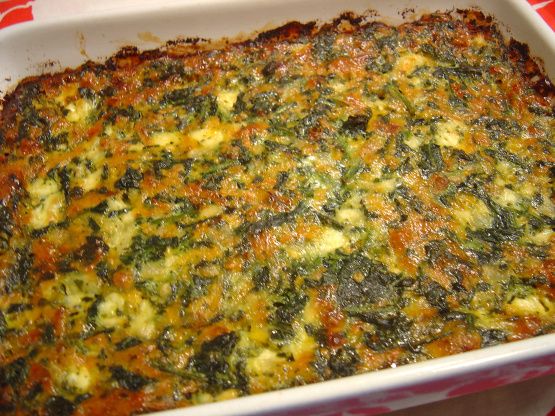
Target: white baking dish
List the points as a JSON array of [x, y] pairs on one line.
[[33, 48]]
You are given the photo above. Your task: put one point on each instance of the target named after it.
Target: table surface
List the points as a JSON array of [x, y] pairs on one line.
[[534, 397]]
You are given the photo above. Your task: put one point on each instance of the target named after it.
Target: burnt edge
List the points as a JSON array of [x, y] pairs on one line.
[[518, 52]]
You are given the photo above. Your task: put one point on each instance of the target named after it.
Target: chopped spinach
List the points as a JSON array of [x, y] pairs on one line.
[[322, 46], [265, 102], [362, 281], [343, 362], [396, 93], [14, 373], [145, 249], [3, 325], [93, 248], [203, 106], [59, 406], [492, 337], [56, 142], [272, 220], [131, 179], [356, 124], [212, 361], [6, 226], [436, 295], [128, 342], [128, 379], [431, 159], [18, 275], [462, 71], [261, 278]]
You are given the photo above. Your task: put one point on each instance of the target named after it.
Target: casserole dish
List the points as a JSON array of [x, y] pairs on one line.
[[539, 362]]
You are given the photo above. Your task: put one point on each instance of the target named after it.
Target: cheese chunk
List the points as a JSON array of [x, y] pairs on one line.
[[47, 202]]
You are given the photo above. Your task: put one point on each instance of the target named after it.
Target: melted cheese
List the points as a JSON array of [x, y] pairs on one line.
[[78, 379], [142, 324], [351, 214], [47, 202], [409, 62], [472, 212], [165, 138], [450, 133], [265, 363], [329, 241], [532, 305], [226, 100], [119, 231], [78, 111], [111, 311], [207, 138]]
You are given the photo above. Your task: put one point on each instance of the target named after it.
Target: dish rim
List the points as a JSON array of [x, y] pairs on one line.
[[356, 385]]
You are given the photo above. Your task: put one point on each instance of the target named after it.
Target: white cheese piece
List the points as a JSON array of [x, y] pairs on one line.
[[78, 379], [384, 186], [377, 106], [115, 204], [413, 141], [450, 133], [67, 92], [472, 213], [109, 130], [208, 138], [409, 62], [310, 313], [111, 311], [507, 198], [351, 214], [78, 110], [339, 86], [530, 305], [542, 237], [265, 363], [329, 241], [210, 211], [547, 208], [506, 173], [135, 147], [42, 187], [142, 321], [118, 231], [165, 138], [90, 181], [301, 344], [47, 201], [226, 100]]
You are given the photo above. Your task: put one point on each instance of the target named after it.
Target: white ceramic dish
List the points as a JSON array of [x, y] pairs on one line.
[[33, 48]]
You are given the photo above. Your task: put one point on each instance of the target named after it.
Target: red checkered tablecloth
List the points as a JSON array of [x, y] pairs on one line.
[[546, 9], [16, 11]]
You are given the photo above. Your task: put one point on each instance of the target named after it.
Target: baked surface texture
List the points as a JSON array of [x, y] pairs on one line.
[[184, 226]]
